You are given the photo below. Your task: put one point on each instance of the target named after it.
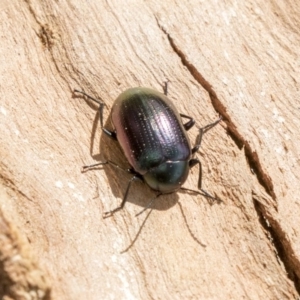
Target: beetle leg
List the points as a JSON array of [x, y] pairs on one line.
[[188, 125], [201, 132], [134, 178], [165, 88], [85, 168], [192, 163], [110, 213], [111, 134], [211, 125]]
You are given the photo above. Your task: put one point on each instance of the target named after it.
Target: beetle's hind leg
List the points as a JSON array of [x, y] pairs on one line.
[[111, 134]]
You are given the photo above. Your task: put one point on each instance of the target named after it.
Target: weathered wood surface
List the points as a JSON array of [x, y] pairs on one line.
[[237, 60]]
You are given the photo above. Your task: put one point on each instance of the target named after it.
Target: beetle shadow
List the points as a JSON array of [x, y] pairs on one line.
[[149, 211], [194, 237], [137, 234], [139, 194]]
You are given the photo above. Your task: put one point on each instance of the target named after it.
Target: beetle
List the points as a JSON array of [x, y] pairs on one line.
[[154, 140]]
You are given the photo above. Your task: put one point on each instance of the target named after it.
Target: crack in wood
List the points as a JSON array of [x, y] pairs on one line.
[[284, 252]]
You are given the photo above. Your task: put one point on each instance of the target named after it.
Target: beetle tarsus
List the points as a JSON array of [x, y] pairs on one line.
[[110, 213], [89, 97], [111, 134], [211, 125], [203, 130], [209, 196], [86, 168], [202, 192], [165, 87]]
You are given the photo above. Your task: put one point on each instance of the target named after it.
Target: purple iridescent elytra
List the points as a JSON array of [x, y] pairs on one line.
[[154, 141]]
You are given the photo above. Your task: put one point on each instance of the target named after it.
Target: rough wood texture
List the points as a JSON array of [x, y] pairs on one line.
[[240, 60]]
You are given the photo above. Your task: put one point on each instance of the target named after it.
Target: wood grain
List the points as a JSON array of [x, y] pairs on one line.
[[237, 60]]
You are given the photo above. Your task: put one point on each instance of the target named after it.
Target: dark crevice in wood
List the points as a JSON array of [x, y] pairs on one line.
[[10, 184], [282, 246], [49, 37]]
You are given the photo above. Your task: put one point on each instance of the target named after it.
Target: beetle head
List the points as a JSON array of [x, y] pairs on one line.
[[168, 176]]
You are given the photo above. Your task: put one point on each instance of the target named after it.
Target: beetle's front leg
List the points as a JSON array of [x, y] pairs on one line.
[[201, 132], [192, 163]]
